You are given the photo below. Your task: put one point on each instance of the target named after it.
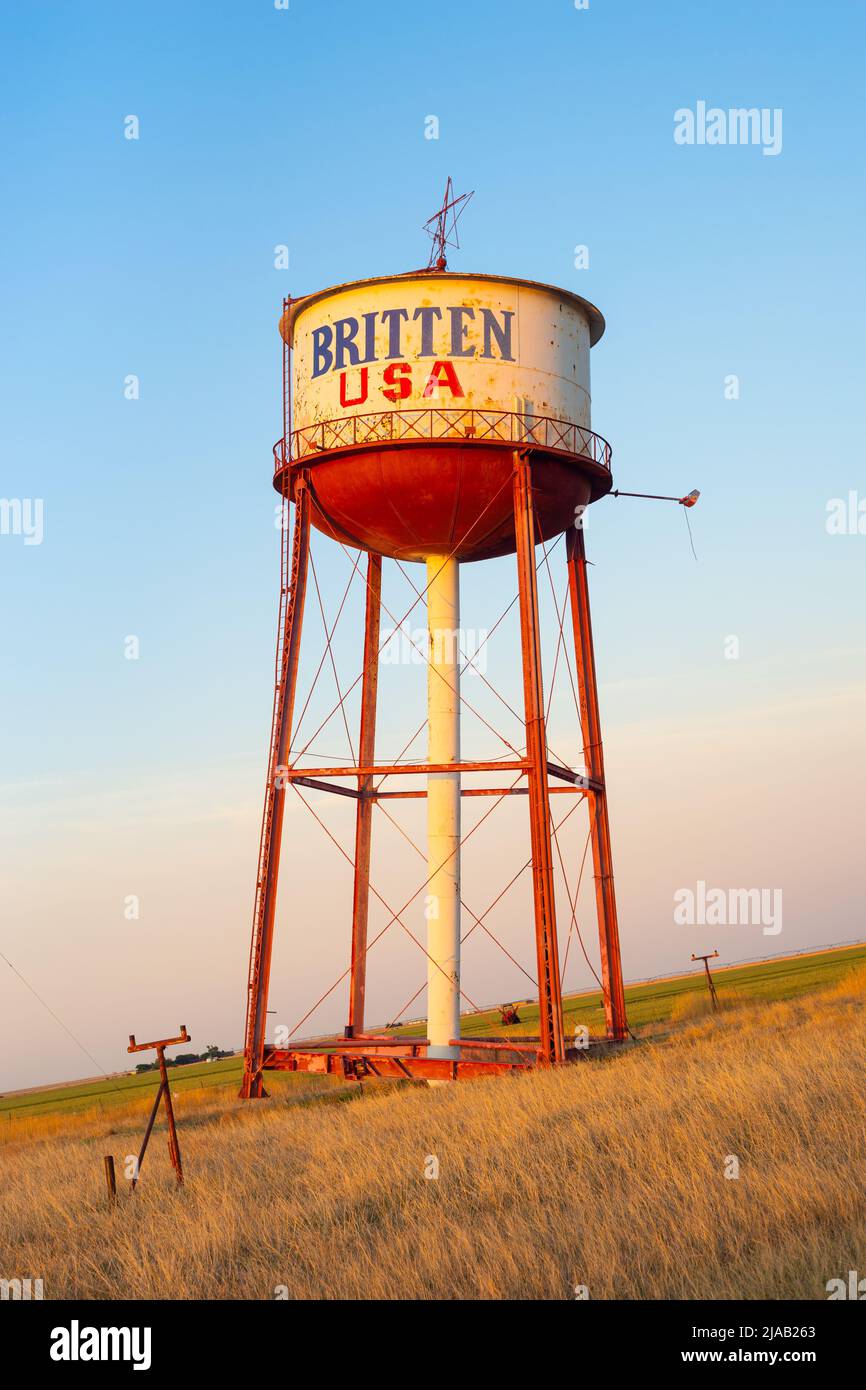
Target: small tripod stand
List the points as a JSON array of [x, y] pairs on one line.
[[162, 1093]]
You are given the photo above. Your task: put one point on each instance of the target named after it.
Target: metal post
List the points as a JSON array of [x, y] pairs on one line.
[[110, 1178], [549, 993], [602, 858], [154, 1111], [275, 796], [364, 816], [173, 1145], [443, 807], [714, 998]]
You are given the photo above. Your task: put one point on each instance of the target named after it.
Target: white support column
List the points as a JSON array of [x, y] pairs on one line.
[[443, 807]]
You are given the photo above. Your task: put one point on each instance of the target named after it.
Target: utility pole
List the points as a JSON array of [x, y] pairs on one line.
[[710, 986]]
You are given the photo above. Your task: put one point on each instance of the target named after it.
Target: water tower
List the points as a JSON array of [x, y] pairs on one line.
[[442, 418]]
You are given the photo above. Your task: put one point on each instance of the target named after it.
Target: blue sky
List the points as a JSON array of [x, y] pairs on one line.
[[155, 257]]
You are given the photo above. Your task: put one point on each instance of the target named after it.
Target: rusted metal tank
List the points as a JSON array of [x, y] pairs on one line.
[[410, 394]]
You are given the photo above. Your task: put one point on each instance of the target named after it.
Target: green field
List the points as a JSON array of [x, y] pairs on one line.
[[651, 1003], [109, 1090]]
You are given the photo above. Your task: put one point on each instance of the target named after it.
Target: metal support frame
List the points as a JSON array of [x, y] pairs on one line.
[[547, 949], [364, 815], [602, 857], [406, 1059], [275, 798], [359, 1054]]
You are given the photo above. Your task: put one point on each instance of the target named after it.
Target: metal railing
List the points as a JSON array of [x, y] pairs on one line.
[[476, 426]]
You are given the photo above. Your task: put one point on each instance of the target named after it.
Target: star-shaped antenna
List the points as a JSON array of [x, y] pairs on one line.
[[442, 226]]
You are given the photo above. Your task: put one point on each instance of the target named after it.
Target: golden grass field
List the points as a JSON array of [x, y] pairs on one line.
[[609, 1173]]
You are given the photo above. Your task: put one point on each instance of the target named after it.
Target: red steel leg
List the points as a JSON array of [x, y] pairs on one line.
[[364, 819], [549, 994], [602, 859], [275, 797], [173, 1145], [153, 1114]]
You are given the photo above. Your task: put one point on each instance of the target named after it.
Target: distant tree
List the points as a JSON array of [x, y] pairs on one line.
[[212, 1052]]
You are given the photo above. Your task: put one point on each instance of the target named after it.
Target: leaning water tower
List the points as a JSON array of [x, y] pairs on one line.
[[440, 418]]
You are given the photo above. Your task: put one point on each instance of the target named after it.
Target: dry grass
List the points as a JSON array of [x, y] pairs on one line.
[[129, 1116], [850, 985], [609, 1173], [692, 1005]]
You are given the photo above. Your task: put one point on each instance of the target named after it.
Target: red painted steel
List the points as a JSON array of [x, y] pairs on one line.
[[357, 1058], [550, 998], [602, 855], [275, 797], [409, 484], [296, 774], [364, 815], [359, 1067], [428, 424]]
